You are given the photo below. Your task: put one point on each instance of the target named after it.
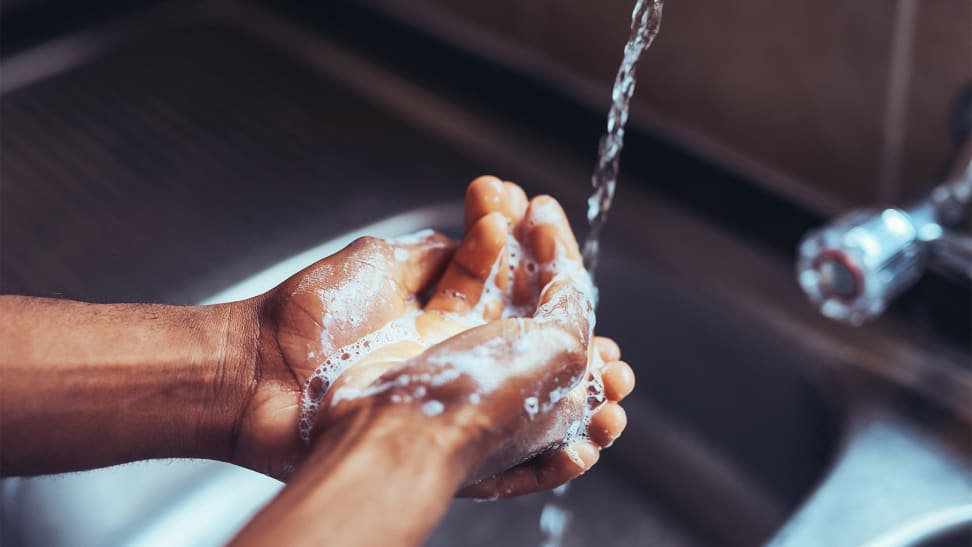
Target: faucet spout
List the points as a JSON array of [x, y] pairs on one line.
[[852, 268]]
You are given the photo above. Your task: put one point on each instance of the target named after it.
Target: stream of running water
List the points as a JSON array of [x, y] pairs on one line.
[[645, 23]]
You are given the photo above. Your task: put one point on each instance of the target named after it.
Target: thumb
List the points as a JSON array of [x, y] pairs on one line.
[[568, 301], [366, 284]]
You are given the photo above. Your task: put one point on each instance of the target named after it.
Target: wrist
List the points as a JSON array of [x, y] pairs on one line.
[[123, 382], [235, 348], [402, 433], [378, 457]]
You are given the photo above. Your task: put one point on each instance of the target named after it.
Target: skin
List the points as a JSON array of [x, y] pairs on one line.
[[434, 455], [89, 385], [494, 208]]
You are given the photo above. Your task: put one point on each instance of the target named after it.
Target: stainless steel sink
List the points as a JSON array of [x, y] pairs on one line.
[[726, 436], [753, 420]]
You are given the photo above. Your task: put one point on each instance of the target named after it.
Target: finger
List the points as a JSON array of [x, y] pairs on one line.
[[619, 380], [484, 489], [541, 473], [567, 301], [547, 232], [475, 268], [489, 194], [567, 464], [607, 424], [607, 348], [367, 369], [567, 294]]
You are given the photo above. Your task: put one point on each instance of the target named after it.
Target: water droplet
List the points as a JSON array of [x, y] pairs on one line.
[[532, 406], [432, 408]]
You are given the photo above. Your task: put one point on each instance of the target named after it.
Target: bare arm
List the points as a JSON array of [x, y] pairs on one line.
[[87, 385], [381, 477], [383, 470], [91, 385]]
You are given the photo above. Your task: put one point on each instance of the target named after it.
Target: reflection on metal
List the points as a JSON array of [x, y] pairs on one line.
[[855, 266], [892, 486], [936, 525]]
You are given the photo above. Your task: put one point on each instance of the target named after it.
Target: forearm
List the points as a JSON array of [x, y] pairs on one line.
[[86, 385], [371, 480]]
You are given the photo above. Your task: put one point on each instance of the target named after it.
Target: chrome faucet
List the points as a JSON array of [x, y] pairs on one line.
[[852, 268]]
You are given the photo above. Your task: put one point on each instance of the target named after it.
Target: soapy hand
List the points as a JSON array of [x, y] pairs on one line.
[[502, 349], [310, 316]]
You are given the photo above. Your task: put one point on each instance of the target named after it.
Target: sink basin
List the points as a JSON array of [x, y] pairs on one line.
[[725, 437]]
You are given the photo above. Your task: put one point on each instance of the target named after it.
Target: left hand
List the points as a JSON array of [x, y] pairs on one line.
[[318, 310]]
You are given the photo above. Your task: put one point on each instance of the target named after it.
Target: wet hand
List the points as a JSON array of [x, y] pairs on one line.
[[502, 352], [311, 315]]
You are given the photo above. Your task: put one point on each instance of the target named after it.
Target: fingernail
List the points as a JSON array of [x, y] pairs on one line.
[[587, 452]]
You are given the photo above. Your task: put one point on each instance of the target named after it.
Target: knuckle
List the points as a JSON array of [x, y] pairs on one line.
[[370, 251], [368, 243]]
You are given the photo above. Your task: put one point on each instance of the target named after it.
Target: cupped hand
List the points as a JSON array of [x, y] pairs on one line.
[[310, 316], [503, 351]]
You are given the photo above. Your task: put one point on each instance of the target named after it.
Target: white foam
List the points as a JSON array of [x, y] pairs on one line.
[[475, 363], [344, 358], [595, 388], [515, 254], [544, 212], [574, 456], [445, 377], [432, 408], [532, 406], [414, 238], [568, 304], [342, 302], [478, 363], [347, 392], [491, 293], [556, 395]]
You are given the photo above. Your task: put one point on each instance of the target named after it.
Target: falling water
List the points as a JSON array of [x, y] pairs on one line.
[[645, 22], [554, 518]]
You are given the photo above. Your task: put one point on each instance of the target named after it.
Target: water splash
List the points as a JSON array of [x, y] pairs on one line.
[[645, 23], [554, 518]]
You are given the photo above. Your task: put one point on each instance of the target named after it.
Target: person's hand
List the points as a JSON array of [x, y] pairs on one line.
[[310, 316], [524, 380]]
